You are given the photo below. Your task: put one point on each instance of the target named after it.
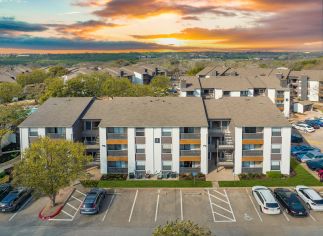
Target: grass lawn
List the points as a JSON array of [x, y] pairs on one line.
[[154, 184], [302, 177]]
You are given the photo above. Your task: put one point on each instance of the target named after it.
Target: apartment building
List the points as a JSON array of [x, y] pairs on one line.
[[137, 74], [151, 135], [306, 85], [57, 118], [216, 87], [248, 134]]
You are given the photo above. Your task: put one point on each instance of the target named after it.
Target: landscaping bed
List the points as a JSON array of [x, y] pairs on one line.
[[8, 156], [146, 184], [299, 176]]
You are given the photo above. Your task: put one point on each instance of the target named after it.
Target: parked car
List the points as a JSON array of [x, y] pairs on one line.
[[316, 164], [295, 138], [303, 149], [15, 199], [313, 199], [311, 155], [320, 174], [290, 202], [313, 124], [317, 121], [92, 202], [303, 127], [4, 190], [266, 200]]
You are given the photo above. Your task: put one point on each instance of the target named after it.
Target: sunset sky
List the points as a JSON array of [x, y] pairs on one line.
[[160, 25]]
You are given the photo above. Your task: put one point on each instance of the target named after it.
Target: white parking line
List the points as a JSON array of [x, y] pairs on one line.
[[80, 192], [182, 215], [156, 213], [312, 217], [106, 212], [76, 199], [67, 214], [70, 205], [230, 205], [208, 192], [133, 205], [226, 201], [22, 207], [254, 206]]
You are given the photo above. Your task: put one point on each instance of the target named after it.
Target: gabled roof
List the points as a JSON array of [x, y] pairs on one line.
[[58, 112]]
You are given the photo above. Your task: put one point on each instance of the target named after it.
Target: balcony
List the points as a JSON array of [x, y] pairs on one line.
[[116, 136], [190, 136], [252, 153], [280, 96], [190, 153], [217, 131], [117, 153], [189, 170], [56, 135], [252, 135], [226, 145], [33, 139], [279, 105], [92, 144], [116, 170], [252, 170]]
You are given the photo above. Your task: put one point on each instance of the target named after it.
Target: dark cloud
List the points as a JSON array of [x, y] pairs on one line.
[[38, 43], [148, 8], [9, 24], [190, 18]]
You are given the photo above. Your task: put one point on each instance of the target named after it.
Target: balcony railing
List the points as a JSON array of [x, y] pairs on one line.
[[280, 105], [252, 170], [190, 136], [140, 167], [252, 153], [116, 170], [116, 136], [167, 168], [189, 169], [276, 134], [117, 153], [214, 131], [190, 152], [280, 96], [56, 135], [252, 135]]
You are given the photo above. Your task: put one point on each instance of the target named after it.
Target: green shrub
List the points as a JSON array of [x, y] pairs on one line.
[[274, 174], [89, 183], [114, 177]]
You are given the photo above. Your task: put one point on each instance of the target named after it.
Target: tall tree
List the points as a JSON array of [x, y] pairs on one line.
[[35, 77], [49, 165], [9, 91], [57, 71]]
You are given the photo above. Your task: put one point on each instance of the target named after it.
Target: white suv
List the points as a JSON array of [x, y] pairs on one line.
[[303, 127], [266, 200], [313, 199]]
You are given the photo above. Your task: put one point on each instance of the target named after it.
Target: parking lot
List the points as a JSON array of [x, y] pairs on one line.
[[148, 208]]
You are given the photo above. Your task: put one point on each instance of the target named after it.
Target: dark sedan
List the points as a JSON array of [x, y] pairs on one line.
[[4, 190], [316, 164], [15, 199], [290, 202], [93, 201]]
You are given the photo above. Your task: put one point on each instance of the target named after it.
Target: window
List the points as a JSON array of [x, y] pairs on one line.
[[190, 164], [252, 130], [276, 132], [187, 130], [55, 130], [166, 165], [116, 130], [140, 165], [251, 164], [33, 132], [90, 140], [275, 165], [166, 132], [244, 93], [166, 148], [276, 148], [140, 132], [190, 147], [251, 147], [95, 125], [226, 93], [117, 147], [140, 148], [88, 125], [117, 164]]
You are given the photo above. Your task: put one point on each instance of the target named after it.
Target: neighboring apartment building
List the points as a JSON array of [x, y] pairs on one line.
[[183, 135], [306, 85], [137, 74], [216, 87], [57, 118], [248, 134]]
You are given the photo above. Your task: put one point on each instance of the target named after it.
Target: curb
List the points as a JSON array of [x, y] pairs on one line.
[[42, 217]]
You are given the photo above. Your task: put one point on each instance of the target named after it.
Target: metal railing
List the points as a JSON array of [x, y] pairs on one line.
[[116, 136], [117, 170], [190, 152], [276, 134], [190, 136], [56, 135], [252, 170], [252, 135], [252, 153], [117, 153], [189, 169]]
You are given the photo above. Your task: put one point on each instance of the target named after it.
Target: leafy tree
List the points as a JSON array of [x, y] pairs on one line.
[[162, 82], [8, 91], [54, 88], [181, 228], [57, 71], [49, 165], [115, 87], [34, 77], [195, 70], [10, 117]]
